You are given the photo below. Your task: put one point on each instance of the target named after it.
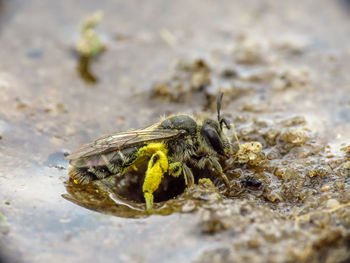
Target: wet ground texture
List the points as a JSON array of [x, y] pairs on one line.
[[283, 68]]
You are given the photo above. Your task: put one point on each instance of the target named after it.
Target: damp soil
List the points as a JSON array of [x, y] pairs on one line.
[[283, 70]]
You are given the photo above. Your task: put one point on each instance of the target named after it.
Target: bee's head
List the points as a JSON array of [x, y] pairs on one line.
[[213, 132]]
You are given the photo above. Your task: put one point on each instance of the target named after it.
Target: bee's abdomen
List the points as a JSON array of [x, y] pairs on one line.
[[123, 158], [81, 175], [84, 175], [102, 166]]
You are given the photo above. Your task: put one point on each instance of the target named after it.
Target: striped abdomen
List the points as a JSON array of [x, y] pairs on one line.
[[100, 166]]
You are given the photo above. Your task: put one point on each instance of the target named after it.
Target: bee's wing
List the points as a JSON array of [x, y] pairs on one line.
[[123, 140]]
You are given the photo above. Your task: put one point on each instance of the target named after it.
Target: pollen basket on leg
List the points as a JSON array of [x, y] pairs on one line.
[[156, 156], [175, 169], [154, 160], [157, 166]]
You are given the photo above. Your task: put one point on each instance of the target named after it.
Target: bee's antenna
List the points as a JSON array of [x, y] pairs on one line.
[[218, 104]]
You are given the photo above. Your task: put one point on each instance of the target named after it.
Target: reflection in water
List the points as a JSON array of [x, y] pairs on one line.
[[89, 46], [98, 197], [123, 195], [101, 196], [84, 70]]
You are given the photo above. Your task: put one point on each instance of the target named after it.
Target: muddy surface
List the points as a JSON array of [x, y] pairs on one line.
[[283, 68]]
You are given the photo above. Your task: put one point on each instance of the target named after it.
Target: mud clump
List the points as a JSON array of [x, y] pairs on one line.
[[297, 187], [291, 78], [250, 51], [89, 46], [346, 169], [309, 241], [250, 153], [189, 77], [246, 67]]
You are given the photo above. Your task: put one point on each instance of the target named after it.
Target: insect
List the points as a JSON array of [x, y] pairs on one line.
[[169, 148]]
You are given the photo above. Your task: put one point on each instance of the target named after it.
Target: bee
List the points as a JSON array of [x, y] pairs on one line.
[[171, 147]]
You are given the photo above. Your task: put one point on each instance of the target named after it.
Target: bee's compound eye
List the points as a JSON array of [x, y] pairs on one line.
[[212, 137]]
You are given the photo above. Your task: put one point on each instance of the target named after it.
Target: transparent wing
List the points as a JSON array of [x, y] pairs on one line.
[[122, 140]]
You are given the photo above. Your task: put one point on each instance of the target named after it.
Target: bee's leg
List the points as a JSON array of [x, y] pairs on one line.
[[235, 134], [229, 164], [217, 166], [157, 166], [213, 162], [225, 179], [189, 179], [175, 169]]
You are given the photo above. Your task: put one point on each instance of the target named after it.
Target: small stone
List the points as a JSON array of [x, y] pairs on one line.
[[294, 136], [250, 153], [339, 185], [189, 206], [253, 243], [65, 220], [347, 149], [317, 170], [274, 197], [325, 188], [332, 203], [346, 169]]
